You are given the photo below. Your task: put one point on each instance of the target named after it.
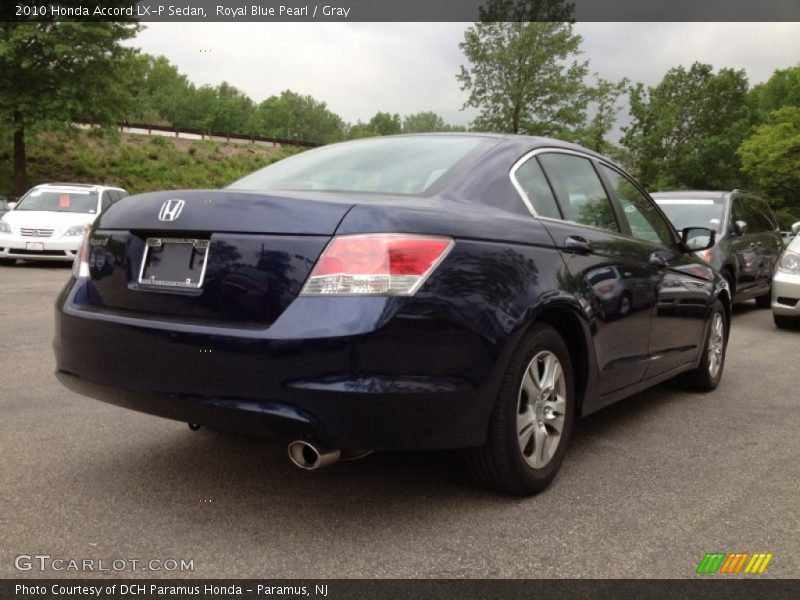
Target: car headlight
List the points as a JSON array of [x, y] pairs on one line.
[[5, 227], [75, 231], [790, 263]]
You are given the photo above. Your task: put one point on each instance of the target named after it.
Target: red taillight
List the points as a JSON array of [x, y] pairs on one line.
[[376, 264], [80, 268]]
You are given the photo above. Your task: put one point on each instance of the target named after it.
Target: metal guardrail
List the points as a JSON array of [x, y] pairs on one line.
[[203, 134]]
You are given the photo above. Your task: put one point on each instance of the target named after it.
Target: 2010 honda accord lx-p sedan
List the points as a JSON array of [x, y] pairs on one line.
[[413, 292]]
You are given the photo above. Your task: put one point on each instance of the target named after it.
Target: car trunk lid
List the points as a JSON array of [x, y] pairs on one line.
[[214, 257]]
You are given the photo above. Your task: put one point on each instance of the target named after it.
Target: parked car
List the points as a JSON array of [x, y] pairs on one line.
[[49, 221], [394, 293], [786, 285], [748, 239], [620, 291]]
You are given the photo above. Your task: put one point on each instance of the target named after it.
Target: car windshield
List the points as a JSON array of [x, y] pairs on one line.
[[397, 165], [690, 212], [55, 200]]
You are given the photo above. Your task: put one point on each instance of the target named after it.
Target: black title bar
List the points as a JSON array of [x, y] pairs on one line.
[[400, 10], [708, 588]]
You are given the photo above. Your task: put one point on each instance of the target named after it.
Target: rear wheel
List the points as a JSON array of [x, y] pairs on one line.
[[530, 426], [785, 322], [707, 375]]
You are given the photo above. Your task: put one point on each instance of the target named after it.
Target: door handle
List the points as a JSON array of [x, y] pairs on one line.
[[577, 245], [656, 260]]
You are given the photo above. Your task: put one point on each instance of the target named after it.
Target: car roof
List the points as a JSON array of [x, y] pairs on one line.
[[533, 142], [88, 186], [695, 194]]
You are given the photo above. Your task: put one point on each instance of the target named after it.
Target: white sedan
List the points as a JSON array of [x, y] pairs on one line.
[[49, 221], [786, 284]]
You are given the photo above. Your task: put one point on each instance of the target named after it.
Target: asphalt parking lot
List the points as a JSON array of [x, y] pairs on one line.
[[649, 486]]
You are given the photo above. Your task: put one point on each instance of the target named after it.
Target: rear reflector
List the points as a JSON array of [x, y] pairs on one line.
[[376, 265]]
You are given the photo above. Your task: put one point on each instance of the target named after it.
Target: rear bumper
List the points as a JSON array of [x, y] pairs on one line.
[[366, 373]]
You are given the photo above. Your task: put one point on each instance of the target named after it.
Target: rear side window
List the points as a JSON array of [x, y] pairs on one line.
[[579, 191], [531, 179], [643, 219], [765, 214], [757, 221]]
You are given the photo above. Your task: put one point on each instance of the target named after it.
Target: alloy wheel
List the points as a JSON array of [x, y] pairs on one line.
[[541, 409]]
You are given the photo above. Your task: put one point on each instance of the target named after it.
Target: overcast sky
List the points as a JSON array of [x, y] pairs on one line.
[[361, 68]]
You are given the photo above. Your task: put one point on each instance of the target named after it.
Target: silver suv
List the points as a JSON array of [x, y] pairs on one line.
[[748, 243]]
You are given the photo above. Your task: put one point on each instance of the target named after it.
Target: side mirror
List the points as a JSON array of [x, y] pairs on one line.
[[698, 238], [740, 227], [796, 228]]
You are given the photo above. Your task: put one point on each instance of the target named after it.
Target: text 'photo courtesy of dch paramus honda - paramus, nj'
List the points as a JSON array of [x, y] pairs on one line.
[[444, 291]]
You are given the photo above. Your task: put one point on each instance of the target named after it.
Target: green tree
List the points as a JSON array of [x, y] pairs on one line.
[[604, 106], [523, 78], [686, 130], [228, 109], [426, 121], [385, 124], [61, 72], [771, 158], [381, 124], [161, 94], [294, 116], [782, 89], [422, 122]]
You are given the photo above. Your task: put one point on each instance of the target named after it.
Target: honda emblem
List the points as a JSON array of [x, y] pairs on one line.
[[171, 210]]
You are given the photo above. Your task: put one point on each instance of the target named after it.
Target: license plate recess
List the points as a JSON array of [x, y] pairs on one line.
[[174, 263]]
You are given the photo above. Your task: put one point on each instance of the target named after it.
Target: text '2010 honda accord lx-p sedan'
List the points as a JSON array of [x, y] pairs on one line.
[[413, 292]]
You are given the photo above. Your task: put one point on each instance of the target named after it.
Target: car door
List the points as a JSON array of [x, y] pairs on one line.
[[679, 289], [765, 239], [602, 264], [743, 247]]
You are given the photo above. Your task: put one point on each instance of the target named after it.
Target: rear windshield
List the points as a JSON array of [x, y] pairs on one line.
[[73, 201], [601, 275], [401, 165], [689, 212]]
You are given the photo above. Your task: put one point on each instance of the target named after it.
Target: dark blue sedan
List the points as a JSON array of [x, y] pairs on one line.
[[414, 292]]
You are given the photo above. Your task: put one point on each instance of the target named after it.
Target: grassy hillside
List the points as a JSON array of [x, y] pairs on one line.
[[138, 163]]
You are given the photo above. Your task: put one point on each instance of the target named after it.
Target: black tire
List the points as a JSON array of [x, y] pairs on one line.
[[703, 378], [784, 322], [501, 463], [765, 300]]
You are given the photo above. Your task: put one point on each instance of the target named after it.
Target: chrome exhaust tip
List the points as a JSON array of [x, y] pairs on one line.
[[311, 456]]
